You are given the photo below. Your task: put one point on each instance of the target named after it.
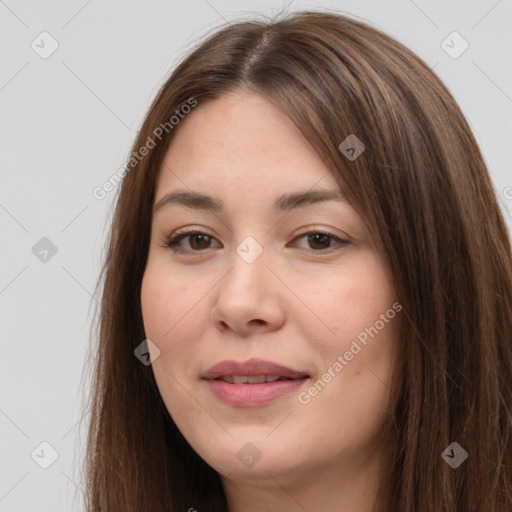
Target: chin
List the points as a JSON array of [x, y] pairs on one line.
[[259, 459]]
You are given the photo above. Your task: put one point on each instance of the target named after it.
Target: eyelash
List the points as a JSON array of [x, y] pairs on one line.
[[173, 241]]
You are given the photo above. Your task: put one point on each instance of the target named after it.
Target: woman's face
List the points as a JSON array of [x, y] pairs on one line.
[[252, 284]]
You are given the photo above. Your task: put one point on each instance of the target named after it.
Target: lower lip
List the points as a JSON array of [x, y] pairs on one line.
[[253, 395]]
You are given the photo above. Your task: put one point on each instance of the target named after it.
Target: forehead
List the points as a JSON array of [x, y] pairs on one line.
[[243, 144]]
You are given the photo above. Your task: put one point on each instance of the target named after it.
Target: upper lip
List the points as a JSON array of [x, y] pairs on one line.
[[251, 367]]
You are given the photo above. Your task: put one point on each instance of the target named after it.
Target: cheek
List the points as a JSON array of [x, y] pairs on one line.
[[351, 300], [170, 310], [358, 308]]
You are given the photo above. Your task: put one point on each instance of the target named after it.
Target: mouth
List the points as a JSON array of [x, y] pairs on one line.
[[253, 379], [252, 383]]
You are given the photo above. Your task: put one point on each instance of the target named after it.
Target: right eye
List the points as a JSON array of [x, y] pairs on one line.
[[198, 241]]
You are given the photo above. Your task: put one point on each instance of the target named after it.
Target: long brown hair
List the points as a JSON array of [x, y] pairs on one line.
[[423, 188]]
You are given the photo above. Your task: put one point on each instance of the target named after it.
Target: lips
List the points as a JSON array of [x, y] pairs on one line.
[[252, 372], [253, 383]]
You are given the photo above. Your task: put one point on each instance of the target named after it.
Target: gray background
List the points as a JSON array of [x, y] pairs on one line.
[[68, 123]]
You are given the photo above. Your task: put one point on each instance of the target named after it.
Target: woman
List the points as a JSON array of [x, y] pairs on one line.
[[308, 250]]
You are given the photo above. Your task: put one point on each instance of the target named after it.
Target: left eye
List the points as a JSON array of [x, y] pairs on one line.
[[321, 240], [198, 241]]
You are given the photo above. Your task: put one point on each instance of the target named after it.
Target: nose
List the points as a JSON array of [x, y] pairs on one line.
[[249, 298]]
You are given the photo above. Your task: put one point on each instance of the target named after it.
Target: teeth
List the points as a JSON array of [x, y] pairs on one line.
[[250, 379], [255, 379]]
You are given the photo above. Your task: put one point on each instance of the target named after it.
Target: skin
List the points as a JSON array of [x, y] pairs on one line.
[[301, 303]]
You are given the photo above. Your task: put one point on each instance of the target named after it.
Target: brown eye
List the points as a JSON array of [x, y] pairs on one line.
[[197, 241], [320, 241]]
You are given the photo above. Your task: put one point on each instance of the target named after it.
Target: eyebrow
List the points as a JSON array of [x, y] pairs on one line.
[[283, 203]]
